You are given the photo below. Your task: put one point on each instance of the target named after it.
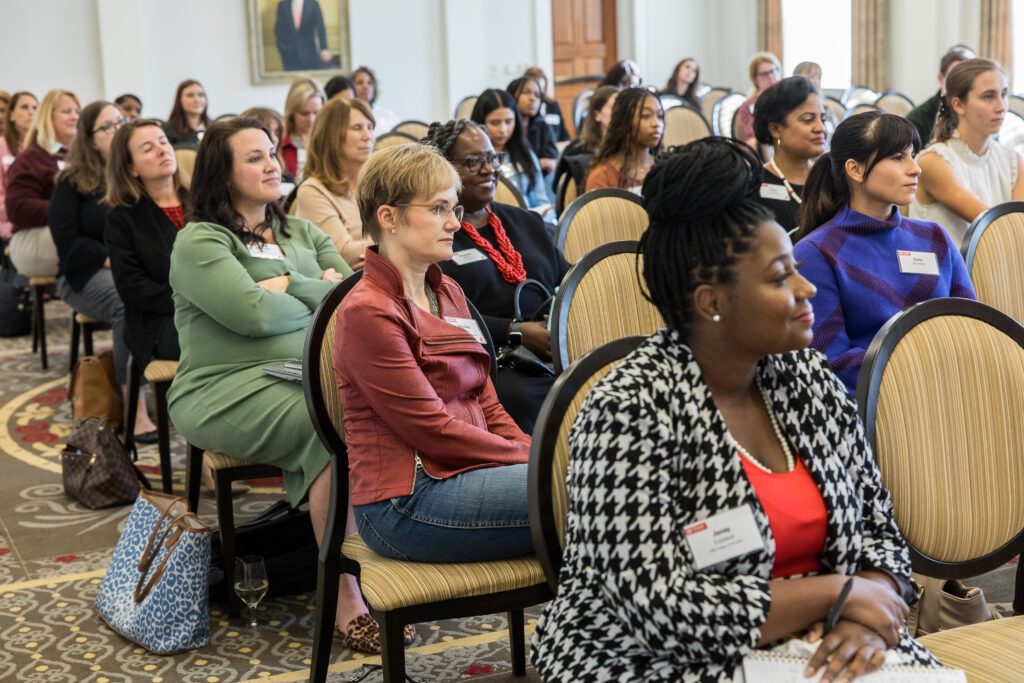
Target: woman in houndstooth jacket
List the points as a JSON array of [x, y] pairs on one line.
[[724, 410]]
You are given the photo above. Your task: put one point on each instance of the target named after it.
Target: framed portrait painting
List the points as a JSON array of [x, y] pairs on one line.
[[290, 38]]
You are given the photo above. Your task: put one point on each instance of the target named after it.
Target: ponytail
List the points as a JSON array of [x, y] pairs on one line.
[[959, 82], [825, 193]]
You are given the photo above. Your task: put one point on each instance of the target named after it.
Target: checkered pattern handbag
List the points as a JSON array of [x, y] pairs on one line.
[[95, 467]]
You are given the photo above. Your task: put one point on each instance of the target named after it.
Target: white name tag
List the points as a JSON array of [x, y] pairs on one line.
[[551, 119], [469, 325], [468, 256], [769, 191], [729, 534], [918, 262], [266, 251]]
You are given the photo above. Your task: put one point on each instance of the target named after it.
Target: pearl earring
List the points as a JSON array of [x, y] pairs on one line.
[[716, 317]]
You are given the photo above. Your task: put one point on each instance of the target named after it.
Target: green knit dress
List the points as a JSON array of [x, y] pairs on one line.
[[230, 328]]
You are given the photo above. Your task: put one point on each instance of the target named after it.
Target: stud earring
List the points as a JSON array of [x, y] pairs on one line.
[[716, 317]]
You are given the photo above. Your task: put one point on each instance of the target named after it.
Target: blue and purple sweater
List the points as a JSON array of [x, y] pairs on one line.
[[852, 261]]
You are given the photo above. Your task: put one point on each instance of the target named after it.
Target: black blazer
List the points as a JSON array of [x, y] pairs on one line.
[[139, 240], [298, 46], [76, 223]]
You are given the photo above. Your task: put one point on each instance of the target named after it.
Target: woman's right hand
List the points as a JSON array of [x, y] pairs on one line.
[[878, 607], [537, 338], [275, 284], [850, 650], [331, 275]]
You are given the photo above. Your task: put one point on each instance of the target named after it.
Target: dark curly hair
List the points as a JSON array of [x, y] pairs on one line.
[[210, 193], [701, 200], [622, 133], [443, 135]]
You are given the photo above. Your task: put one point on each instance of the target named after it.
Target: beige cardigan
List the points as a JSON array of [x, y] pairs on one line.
[[336, 215]]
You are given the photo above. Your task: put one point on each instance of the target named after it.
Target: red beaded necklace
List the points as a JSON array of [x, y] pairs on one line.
[[509, 262]]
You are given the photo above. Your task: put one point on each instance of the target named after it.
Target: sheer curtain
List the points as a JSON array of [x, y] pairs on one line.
[[769, 27], [870, 43]]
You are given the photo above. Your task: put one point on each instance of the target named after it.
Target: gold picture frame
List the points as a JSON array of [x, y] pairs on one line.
[[279, 52]]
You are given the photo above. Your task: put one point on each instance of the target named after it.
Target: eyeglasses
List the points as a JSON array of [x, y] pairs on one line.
[[113, 125], [442, 211], [474, 164], [766, 74]]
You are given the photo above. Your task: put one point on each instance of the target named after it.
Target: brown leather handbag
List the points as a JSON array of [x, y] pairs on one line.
[[946, 604], [96, 469], [94, 391]]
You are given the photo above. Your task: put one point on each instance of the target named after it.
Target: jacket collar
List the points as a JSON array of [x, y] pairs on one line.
[[382, 273]]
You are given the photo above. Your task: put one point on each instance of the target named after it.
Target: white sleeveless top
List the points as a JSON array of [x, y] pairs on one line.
[[989, 177]]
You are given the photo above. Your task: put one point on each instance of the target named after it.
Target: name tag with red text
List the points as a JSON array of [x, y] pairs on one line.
[[724, 536]]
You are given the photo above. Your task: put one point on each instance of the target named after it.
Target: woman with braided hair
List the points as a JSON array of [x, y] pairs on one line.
[[498, 248], [724, 412], [631, 142], [436, 466]]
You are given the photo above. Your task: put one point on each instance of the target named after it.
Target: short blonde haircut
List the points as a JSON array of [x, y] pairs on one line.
[[326, 150], [398, 175], [757, 60], [302, 89], [42, 132]]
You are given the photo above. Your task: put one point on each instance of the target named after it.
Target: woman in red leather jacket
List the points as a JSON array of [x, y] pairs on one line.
[[437, 467]]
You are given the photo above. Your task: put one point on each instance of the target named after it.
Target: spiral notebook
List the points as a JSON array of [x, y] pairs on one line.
[[764, 666]]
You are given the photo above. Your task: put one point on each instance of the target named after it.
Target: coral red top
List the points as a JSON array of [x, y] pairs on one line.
[[796, 513], [176, 214]]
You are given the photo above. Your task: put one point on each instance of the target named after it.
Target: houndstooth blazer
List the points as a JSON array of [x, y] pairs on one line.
[[650, 454]]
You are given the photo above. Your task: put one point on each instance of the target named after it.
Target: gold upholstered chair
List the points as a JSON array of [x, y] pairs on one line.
[[941, 395], [505, 192], [993, 250], [391, 139], [397, 592], [185, 157], [683, 125], [416, 129], [600, 300], [598, 217], [549, 451], [892, 102], [82, 329], [160, 374], [465, 107], [709, 100]]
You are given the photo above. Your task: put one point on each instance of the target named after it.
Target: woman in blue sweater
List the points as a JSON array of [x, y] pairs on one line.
[[867, 261]]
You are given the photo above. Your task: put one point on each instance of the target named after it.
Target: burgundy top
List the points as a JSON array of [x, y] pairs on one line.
[[30, 184], [796, 513], [420, 390], [176, 214]]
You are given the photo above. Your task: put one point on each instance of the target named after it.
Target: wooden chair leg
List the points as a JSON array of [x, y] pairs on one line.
[[226, 521], [517, 641], [73, 347], [328, 575], [392, 647], [87, 331], [193, 472], [163, 432], [131, 407]]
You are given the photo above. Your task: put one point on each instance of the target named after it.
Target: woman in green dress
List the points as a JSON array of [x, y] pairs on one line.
[[246, 281]]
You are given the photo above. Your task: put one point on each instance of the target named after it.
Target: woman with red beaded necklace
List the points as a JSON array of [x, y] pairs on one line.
[[499, 247]]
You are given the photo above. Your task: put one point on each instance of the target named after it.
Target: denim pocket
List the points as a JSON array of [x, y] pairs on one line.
[[376, 542]]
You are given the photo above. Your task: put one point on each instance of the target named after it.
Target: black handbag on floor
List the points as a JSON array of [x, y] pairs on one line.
[[283, 536], [15, 301]]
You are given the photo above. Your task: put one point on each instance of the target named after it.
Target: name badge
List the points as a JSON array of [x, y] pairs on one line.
[[769, 191], [469, 325], [724, 536], [918, 262], [271, 251], [468, 256], [551, 119]]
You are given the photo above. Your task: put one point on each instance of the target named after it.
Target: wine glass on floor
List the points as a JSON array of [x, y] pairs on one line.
[[250, 583]]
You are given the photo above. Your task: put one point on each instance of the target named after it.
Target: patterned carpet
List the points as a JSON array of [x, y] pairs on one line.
[[53, 554]]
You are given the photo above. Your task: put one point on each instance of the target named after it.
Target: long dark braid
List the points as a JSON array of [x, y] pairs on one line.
[[701, 201], [444, 135]]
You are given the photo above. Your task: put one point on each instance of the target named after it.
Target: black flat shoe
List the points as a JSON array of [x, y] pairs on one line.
[[146, 437]]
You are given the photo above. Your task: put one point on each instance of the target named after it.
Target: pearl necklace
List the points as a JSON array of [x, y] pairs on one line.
[[789, 188], [790, 461]]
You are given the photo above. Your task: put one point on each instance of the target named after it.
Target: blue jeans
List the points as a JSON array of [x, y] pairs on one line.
[[475, 516]]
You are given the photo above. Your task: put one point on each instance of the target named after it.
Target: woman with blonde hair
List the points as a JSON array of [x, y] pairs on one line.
[[304, 101], [31, 181], [765, 71], [14, 127], [339, 144], [965, 170]]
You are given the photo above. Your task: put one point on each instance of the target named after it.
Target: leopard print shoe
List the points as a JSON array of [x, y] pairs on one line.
[[362, 634]]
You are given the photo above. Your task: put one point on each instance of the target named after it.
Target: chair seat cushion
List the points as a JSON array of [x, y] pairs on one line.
[[83, 319], [219, 461], [390, 584], [42, 280], [990, 651], [161, 370]]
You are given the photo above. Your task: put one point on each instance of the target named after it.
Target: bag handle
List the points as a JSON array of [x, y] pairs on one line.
[[528, 282], [145, 560], [172, 543]]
